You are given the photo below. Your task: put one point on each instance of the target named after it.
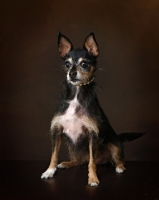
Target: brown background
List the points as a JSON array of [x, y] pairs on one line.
[[128, 37]]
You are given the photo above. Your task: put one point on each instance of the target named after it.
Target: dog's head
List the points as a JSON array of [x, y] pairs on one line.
[[79, 64]]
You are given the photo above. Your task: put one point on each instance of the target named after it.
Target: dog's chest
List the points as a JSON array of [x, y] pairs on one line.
[[73, 120]]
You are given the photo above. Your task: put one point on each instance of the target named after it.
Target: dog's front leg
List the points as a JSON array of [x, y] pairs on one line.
[[92, 176], [49, 173]]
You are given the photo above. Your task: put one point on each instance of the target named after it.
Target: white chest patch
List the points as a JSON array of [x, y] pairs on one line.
[[73, 121]]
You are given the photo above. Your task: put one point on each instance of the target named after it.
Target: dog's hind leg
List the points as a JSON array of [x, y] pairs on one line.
[[72, 163], [54, 158], [69, 164], [117, 158]]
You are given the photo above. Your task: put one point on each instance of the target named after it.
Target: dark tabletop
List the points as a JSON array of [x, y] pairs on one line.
[[21, 180]]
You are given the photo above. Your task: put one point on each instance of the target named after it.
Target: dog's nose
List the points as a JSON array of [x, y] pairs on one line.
[[72, 74]]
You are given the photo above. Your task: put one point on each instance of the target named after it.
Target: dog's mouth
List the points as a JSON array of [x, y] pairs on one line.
[[75, 81]]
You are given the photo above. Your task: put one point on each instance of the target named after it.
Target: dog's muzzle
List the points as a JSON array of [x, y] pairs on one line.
[[72, 75]]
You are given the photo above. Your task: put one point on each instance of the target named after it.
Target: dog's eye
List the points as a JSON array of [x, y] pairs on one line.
[[84, 64], [67, 64]]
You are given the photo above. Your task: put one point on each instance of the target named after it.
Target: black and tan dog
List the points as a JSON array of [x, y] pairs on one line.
[[79, 117]]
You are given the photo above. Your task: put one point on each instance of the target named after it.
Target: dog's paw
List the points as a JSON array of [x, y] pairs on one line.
[[49, 173], [61, 166], [93, 182], [120, 169]]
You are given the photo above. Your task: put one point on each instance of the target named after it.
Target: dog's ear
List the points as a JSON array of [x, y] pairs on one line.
[[91, 45], [64, 45]]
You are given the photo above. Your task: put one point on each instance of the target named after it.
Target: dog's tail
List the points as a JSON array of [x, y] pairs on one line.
[[128, 137]]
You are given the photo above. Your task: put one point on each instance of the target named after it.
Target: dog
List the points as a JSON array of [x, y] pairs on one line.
[[79, 118]]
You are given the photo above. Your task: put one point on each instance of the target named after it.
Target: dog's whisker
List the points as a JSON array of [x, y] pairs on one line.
[[102, 69]]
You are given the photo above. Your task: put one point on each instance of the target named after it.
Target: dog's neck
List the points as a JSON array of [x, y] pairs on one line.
[[88, 82], [84, 94]]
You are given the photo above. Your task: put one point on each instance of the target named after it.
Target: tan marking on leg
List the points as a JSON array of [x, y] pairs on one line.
[[92, 176], [54, 157], [116, 157], [66, 165], [49, 173]]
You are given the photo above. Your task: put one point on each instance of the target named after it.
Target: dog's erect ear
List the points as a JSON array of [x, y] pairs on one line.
[[64, 45], [91, 45]]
